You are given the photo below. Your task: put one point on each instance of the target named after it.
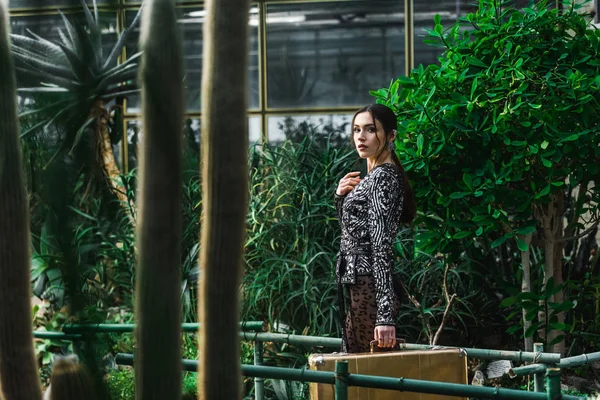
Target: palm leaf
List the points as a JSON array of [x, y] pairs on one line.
[[32, 129], [40, 76], [43, 48], [116, 50], [29, 113], [24, 55], [78, 66], [43, 90], [71, 31], [123, 93], [88, 52], [55, 117], [118, 76], [93, 26], [79, 133], [66, 41], [112, 75]]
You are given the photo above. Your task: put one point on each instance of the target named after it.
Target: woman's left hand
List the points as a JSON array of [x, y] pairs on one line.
[[385, 335]]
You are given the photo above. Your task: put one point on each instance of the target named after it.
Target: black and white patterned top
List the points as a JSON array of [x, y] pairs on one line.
[[370, 217]]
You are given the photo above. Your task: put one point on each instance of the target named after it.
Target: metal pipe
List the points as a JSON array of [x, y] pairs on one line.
[[527, 370], [577, 361], [553, 384], [538, 379], [55, 335], [409, 36], [255, 371], [401, 384], [259, 383], [127, 328], [570, 362], [484, 354], [444, 388], [298, 340], [341, 380]]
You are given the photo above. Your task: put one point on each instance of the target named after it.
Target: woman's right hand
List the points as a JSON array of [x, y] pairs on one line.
[[347, 183]]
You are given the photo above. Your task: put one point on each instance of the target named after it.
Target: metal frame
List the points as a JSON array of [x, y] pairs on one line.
[[120, 7]]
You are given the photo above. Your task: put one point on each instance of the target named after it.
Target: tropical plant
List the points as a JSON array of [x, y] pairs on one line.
[[293, 234], [158, 235], [77, 82], [501, 139], [19, 377], [224, 195]]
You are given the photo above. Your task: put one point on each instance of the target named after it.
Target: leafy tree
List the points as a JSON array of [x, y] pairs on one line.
[[501, 139], [76, 81]]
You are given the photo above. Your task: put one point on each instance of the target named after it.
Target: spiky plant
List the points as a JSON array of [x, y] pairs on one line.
[[81, 81], [158, 301], [18, 372], [224, 193]]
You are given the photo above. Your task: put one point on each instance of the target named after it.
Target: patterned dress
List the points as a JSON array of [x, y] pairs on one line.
[[370, 218]]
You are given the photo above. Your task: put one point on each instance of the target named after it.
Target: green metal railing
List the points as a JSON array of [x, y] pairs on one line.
[[56, 336], [569, 362], [341, 379], [126, 328], [542, 360], [315, 341]]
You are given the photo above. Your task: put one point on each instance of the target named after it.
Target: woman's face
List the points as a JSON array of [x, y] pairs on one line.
[[369, 139]]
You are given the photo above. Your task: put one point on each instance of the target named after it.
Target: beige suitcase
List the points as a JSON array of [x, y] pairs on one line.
[[447, 365]]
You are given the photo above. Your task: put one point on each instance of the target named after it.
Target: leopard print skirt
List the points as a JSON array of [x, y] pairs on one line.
[[359, 327]]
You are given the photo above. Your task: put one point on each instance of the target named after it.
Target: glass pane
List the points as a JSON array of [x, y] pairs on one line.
[[191, 21], [191, 141], [296, 127], [332, 53], [33, 4], [48, 26], [254, 131], [450, 11]]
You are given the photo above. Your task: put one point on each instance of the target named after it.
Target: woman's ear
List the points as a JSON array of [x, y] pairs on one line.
[[393, 135]]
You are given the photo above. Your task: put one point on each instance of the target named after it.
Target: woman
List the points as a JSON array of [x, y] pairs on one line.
[[70, 380], [370, 211]]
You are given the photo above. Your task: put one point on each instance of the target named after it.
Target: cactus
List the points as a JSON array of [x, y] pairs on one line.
[[158, 297], [18, 371], [225, 192]]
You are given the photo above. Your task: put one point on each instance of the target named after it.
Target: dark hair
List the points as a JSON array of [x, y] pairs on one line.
[[70, 380], [389, 123]]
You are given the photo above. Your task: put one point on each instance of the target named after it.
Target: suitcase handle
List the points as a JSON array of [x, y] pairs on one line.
[[377, 349]]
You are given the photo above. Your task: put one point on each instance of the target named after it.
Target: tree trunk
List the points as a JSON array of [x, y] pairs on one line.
[[158, 289], [557, 257], [18, 370], [552, 223], [111, 170], [225, 192], [526, 287], [547, 225]]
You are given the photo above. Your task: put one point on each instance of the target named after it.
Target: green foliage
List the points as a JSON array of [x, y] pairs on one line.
[[502, 123], [503, 128], [292, 235], [534, 303], [121, 384]]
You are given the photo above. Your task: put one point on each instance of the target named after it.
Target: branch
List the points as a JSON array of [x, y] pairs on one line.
[[418, 306], [582, 234], [445, 284], [444, 318]]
